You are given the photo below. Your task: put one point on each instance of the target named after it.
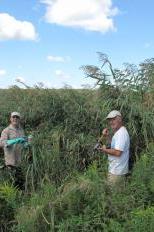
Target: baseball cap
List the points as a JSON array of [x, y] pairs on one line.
[[15, 114], [113, 114]]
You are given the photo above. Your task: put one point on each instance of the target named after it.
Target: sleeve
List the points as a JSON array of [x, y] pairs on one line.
[[4, 137], [120, 141]]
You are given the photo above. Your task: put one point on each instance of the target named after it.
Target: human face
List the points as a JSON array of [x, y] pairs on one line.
[[15, 121], [115, 123]]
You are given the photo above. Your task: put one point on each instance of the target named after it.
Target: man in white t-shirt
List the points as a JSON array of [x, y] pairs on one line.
[[118, 153]]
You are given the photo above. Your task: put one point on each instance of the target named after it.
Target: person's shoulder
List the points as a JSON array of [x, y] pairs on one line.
[[125, 129], [122, 130], [5, 130]]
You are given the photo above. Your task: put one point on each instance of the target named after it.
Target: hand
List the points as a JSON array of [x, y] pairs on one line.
[[105, 132], [102, 148]]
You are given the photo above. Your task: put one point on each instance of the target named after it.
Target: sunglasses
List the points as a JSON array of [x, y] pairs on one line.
[[15, 116]]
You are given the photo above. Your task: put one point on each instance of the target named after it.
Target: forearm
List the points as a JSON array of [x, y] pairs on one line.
[[110, 151]]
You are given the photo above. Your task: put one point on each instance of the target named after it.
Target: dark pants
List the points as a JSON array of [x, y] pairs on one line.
[[16, 176]]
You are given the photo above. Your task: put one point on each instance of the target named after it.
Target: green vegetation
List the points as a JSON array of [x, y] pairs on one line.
[[65, 182]]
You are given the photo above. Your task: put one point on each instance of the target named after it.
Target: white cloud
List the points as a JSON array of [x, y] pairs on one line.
[[11, 28], [58, 58], [2, 72], [62, 75], [93, 15]]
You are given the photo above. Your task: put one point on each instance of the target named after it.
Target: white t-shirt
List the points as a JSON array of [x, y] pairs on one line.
[[120, 141]]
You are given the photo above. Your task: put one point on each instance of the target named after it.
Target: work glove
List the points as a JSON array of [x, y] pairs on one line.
[[15, 141]]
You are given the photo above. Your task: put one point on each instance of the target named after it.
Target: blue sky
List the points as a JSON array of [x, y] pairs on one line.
[[49, 40]]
